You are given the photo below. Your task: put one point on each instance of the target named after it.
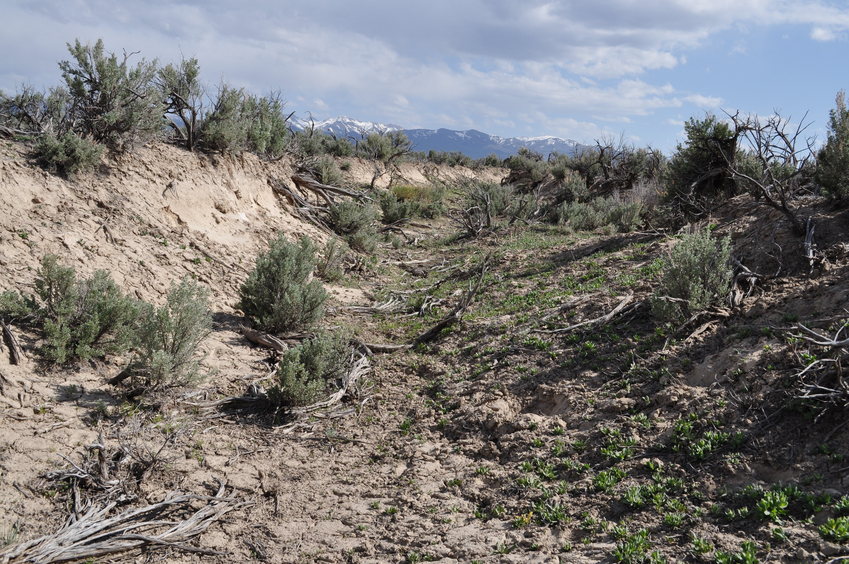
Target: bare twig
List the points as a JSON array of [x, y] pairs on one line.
[[94, 534], [598, 320]]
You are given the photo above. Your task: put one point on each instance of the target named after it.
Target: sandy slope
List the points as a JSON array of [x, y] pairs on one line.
[[150, 219]]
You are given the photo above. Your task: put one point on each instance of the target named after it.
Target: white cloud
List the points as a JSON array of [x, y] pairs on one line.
[[823, 34], [565, 63], [703, 101]]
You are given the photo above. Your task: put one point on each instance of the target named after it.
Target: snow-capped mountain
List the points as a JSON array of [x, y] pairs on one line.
[[344, 126], [471, 142]]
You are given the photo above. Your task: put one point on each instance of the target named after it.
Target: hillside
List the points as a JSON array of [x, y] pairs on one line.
[[554, 418]]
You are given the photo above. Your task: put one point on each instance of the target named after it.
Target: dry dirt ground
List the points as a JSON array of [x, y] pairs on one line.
[[510, 438]]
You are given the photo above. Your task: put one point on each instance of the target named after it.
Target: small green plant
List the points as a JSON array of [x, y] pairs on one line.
[[772, 506], [278, 294], [700, 545], [634, 549], [841, 506], [748, 555], [304, 371], [696, 275], [550, 513], [835, 529], [606, 479]]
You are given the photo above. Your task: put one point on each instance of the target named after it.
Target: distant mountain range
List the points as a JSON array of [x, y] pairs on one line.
[[471, 142]]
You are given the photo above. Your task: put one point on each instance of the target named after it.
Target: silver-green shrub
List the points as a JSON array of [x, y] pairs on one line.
[[305, 371], [82, 319], [168, 338], [695, 276], [279, 294]]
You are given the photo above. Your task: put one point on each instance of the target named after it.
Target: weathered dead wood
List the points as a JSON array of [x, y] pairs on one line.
[[94, 535], [16, 355], [359, 368], [264, 339], [606, 318], [458, 311], [307, 182]]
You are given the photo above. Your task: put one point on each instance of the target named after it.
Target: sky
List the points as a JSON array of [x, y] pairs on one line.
[[577, 69]]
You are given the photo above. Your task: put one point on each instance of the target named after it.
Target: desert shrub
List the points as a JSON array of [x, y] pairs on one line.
[[451, 158], [330, 265], [278, 294], [581, 216], [698, 175], [168, 338], [395, 209], [355, 223], [832, 171], [267, 130], [242, 122], [491, 160], [13, 305], [304, 371], [491, 197], [67, 154], [180, 87], [695, 276], [384, 147], [33, 112], [225, 129], [527, 169], [428, 200], [82, 318], [612, 212], [625, 216], [113, 102], [325, 170], [337, 147]]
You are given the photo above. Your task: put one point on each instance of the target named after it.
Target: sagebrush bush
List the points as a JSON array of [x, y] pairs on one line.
[[355, 223], [305, 371], [279, 294], [698, 176], [580, 216], [325, 170], [611, 212], [396, 210], [243, 122], [13, 305], [330, 264], [489, 196], [428, 200], [82, 318], [112, 102], [695, 276], [832, 172], [168, 338], [67, 154]]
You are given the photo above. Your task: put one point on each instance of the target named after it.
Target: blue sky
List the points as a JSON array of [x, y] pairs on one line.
[[574, 69]]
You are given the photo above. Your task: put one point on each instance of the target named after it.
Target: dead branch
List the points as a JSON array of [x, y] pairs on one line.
[[359, 369], [264, 339], [15, 352], [307, 182], [457, 313], [606, 318], [95, 535]]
